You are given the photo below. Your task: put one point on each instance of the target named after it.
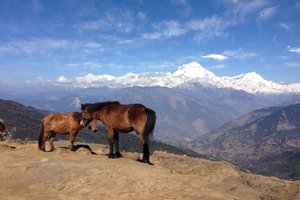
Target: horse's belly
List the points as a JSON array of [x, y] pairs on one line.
[[62, 129], [124, 130]]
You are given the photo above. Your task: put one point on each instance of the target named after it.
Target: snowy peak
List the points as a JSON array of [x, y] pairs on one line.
[[252, 76], [254, 83], [192, 70], [76, 103], [194, 73]]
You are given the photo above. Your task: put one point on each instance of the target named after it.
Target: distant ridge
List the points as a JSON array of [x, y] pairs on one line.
[[254, 140]]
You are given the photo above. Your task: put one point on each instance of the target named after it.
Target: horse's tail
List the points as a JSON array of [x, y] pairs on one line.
[[41, 136], [150, 124]]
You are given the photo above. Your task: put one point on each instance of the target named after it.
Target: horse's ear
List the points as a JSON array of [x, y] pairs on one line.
[[82, 107]]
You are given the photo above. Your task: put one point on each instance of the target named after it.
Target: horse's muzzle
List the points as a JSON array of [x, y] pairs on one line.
[[95, 130], [81, 122]]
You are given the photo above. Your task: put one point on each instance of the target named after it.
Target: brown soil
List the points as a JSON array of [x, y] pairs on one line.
[[27, 173]]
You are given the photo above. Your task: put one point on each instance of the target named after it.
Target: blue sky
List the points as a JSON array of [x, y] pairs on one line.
[[42, 40]]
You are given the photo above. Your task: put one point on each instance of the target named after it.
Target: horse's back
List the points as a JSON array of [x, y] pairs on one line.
[[136, 111], [60, 122], [55, 116]]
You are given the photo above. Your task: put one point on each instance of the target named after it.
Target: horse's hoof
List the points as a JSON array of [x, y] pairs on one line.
[[52, 149], [111, 155], [72, 148], [144, 161], [118, 155]]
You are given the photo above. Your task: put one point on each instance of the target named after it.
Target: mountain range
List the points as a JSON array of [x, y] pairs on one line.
[[187, 75]]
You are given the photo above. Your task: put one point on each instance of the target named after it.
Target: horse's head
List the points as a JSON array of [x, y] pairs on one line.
[[86, 119], [93, 125], [86, 115]]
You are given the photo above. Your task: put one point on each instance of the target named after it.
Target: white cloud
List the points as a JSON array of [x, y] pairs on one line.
[[92, 25], [239, 54], [62, 80], [293, 64], [116, 20], [38, 81], [285, 26], [125, 42], [35, 45], [165, 29], [45, 46], [184, 5], [141, 16], [93, 45], [242, 9], [7, 49], [209, 28], [85, 65], [293, 49], [215, 56]]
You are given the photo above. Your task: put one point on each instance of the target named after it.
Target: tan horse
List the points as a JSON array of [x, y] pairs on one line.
[[63, 124], [122, 118]]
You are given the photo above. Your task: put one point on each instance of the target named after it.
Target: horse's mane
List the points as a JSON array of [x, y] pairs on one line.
[[77, 116], [91, 107]]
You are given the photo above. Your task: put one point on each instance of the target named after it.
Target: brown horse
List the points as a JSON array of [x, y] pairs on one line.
[[63, 124], [122, 118], [3, 131]]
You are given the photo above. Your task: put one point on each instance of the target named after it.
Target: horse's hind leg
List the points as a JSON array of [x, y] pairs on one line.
[[116, 142], [145, 142], [146, 153], [51, 140], [45, 136]]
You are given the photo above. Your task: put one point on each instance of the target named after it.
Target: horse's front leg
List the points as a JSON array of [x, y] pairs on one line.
[[111, 153], [111, 141], [72, 140], [116, 142]]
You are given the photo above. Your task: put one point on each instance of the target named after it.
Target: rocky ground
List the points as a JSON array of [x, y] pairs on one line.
[[27, 173]]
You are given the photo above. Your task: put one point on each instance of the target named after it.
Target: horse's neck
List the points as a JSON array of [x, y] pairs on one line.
[[98, 115]]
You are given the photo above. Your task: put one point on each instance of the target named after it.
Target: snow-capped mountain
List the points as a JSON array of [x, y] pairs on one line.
[[76, 103], [187, 75]]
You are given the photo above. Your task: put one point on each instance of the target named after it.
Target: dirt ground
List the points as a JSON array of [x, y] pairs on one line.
[[27, 173]]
